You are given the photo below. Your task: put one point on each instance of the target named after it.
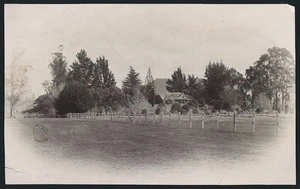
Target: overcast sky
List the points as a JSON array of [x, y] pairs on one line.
[[161, 37]]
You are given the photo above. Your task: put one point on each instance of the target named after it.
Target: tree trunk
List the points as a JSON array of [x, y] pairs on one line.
[[282, 100], [11, 111], [276, 100]]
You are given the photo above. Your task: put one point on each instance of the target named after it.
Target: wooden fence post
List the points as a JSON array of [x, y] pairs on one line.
[[153, 118], [203, 120], [234, 124], [133, 118], [277, 123], [218, 122], [190, 119], [253, 122]]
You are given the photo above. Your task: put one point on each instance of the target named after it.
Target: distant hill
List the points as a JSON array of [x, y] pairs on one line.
[[160, 85]]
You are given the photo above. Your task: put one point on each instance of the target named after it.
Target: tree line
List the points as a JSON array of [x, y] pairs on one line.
[[265, 86], [89, 85]]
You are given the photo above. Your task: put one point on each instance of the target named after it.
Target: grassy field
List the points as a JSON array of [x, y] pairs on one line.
[[136, 153]]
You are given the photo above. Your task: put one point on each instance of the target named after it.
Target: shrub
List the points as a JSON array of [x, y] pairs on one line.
[[108, 109], [195, 111], [42, 105], [186, 107], [175, 108], [144, 112], [217, 104], [101, 109], [258, 110], [193, 104], [169, 101], [261, 102], [206, 109], [237, 108], [112, 97], [74, 97], [157, 111], [226, 106], [184, 112], [161, 108]]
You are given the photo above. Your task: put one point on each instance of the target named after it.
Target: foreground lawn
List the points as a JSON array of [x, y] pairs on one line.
[[119, 146]]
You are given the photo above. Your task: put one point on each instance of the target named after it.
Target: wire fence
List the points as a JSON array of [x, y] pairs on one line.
[[235, 122]]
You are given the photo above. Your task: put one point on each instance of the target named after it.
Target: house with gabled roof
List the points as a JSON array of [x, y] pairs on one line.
[[178, 97]]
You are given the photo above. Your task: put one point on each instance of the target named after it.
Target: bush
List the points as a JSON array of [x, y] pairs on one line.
[[193, 104], [74, 97], [226, 106], [261, 102], [169, 101], [144, 112], [237, 108], [101, 109], [184, 112], [217, 104], [42, 105], [206, 109], [111, 97], [186, 107], [108, 109], [258, 110], [161, 108], [157, 111], [175, 108]]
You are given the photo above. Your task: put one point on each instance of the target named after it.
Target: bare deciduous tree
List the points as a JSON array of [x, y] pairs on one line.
[[16, 81]]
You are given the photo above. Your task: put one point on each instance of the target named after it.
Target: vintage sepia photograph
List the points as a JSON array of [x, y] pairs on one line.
[[150, 94]]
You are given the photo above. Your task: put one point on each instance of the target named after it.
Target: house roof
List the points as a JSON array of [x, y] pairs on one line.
[[177, 96]]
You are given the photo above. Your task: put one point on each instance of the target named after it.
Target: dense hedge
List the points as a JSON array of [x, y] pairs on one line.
[[75, 98]]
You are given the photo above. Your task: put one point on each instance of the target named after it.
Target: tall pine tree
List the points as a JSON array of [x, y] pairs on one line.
[[82, 69], [216, 77], [149, 88], [102, 76], [58, 66], [132, 84], [178, 82]]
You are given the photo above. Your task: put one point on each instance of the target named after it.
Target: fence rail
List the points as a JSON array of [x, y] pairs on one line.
[[183, 120]]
